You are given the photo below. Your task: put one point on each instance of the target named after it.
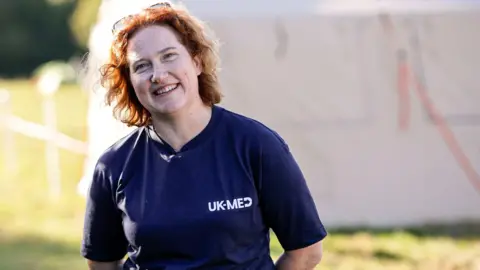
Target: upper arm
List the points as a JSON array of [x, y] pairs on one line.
[[287, 204], [93, 265], [103, 236], [313, 253]]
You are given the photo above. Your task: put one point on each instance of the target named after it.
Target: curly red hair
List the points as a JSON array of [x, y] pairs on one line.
[[192, 34]]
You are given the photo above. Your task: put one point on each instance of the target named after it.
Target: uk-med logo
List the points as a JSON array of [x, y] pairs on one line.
[[225, 205]]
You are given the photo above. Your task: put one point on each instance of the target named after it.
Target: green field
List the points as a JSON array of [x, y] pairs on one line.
[[39, 233]]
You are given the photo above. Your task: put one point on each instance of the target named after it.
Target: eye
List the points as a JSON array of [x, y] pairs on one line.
[[169, 56], [140, 67]]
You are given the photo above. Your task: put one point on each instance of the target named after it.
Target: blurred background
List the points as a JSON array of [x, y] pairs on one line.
[[378, 100]]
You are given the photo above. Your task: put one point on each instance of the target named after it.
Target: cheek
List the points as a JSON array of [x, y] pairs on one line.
[[183, 70], [140, 84]]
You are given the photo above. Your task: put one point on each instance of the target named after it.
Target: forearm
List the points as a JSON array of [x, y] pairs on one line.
[[289, 262], [104, 265]]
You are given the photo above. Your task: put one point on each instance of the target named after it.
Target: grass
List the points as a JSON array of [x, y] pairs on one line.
[[38, 233]]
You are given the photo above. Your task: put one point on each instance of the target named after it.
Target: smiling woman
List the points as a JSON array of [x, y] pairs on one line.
[[164, 80], [173, 42], [194, 185]]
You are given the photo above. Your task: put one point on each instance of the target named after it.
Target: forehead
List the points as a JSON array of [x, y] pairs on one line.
[[151, 39]]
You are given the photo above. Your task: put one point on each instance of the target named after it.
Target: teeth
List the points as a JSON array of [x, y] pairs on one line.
[[166, 89]]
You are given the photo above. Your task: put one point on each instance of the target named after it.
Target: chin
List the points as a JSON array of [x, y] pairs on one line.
[[170, 107]]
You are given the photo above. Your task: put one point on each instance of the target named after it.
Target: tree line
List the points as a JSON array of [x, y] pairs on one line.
[[34, 32]]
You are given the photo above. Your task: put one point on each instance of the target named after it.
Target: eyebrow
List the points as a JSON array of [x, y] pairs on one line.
[[165, 49]]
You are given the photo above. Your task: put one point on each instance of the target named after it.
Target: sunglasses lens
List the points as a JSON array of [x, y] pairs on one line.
[[164, 4], [119, 24]]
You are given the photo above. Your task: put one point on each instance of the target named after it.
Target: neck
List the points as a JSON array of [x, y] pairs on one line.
[[179, 128]]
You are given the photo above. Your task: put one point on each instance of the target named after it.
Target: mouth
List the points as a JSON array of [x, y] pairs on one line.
[[165, 89]]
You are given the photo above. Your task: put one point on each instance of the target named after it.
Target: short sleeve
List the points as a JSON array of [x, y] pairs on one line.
[[287, 204], [103, 236]]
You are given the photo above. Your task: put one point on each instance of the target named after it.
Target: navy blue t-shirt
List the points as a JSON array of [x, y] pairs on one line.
[[208, 206]]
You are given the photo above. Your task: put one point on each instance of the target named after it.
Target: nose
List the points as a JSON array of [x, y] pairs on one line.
[[159, 74]]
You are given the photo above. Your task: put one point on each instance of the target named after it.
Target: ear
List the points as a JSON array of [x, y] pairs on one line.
[[198, 65]]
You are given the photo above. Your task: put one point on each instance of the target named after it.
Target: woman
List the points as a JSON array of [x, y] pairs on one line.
[[195, 186]]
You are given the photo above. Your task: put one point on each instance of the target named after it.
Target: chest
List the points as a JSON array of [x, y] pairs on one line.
[[195, 199]]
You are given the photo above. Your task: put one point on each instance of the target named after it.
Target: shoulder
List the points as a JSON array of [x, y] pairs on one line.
[[253, 130], [113, 158]]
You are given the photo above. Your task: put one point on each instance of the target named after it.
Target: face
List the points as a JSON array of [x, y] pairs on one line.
[[163, 74]]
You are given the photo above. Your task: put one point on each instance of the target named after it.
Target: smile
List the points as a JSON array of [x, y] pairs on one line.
[[166, 89]]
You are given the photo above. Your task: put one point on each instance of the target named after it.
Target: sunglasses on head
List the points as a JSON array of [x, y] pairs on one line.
[[119, 24]]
